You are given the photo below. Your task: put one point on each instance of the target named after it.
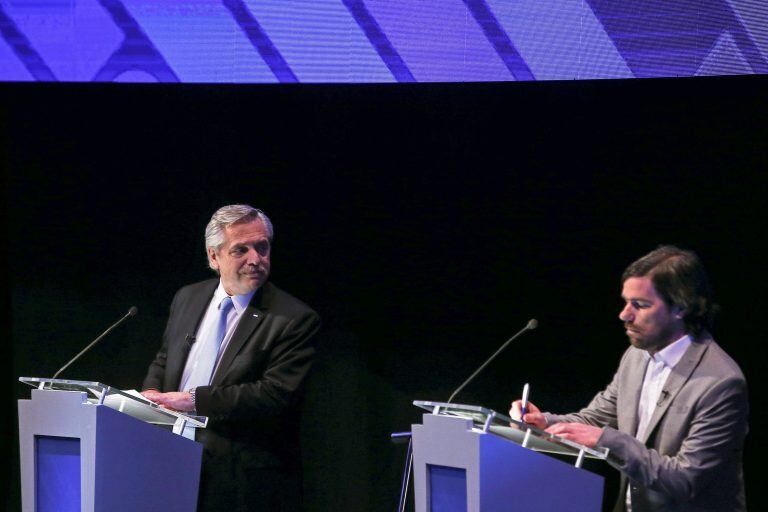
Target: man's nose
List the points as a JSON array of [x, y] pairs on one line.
[[253, 256], [626, 314]]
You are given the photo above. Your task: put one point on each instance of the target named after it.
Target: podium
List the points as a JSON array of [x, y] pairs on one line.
[[469, 459], [88, 447]]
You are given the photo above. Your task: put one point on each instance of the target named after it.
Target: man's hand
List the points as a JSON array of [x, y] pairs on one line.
[[176, 400], [533, 415], [577, 432], [151, 394]]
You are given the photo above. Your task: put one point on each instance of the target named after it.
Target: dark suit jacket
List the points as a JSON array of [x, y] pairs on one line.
[[253, 400], [690, 458]]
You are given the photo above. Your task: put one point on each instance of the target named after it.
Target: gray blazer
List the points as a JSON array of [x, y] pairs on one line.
[[690, 458]]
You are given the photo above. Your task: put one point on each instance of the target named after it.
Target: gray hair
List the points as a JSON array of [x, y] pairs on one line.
[[233, 214]]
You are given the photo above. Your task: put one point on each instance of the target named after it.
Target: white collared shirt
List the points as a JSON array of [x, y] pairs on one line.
[[240, 302], [659, 367]]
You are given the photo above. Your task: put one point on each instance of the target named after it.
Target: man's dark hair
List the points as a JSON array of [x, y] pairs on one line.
[[680, 279]]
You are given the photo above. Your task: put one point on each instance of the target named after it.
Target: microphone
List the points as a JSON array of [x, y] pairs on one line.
[[131, 312], [664, 395], [531, 325], [190, 339]]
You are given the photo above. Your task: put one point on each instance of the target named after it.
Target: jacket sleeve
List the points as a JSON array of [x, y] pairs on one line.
[[600, 412], [278, 387], [715, 436]]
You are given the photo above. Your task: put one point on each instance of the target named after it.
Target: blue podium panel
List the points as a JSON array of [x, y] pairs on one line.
[[78, 455], [57, 460], [447, 489], [459, 467], [536, 479], [129, 458]]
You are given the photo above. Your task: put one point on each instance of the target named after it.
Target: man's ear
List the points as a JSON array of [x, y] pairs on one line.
[[213, 258], [678, 312]]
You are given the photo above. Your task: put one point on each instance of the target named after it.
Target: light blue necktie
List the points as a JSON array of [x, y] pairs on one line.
[[210, 343]]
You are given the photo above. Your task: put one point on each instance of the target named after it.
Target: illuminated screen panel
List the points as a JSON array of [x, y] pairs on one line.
[[357, 41]]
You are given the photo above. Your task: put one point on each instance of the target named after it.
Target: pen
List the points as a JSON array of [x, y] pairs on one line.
[[523, 406]]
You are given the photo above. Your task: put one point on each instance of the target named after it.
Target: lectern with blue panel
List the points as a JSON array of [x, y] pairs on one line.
[[88, 447], [472, 459]]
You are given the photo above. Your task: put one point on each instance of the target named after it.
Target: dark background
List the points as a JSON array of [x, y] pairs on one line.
[[425, 223]]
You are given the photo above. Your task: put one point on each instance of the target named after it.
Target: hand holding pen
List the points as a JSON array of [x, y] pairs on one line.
[[526, 411]]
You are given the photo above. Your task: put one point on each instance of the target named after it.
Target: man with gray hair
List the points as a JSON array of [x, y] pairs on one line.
[[237, 349]]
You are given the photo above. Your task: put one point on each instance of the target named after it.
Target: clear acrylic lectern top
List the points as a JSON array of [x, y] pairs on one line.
[[129, 402], [528, 436]]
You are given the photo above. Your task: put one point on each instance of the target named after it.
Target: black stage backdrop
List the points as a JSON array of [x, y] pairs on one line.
[[425, 223]]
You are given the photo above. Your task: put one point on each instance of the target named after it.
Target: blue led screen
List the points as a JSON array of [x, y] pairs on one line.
[[356, 41]]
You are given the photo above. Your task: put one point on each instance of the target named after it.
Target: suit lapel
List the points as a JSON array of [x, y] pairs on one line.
[[677, 378], [635, 386], [197, 306], [253, 315], [188, 324]]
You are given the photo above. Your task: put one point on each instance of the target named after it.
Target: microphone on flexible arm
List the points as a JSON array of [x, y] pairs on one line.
[[531, 325], [131, 312]]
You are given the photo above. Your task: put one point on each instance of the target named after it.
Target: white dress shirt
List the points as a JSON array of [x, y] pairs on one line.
[[239, 302], [659, 367]]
